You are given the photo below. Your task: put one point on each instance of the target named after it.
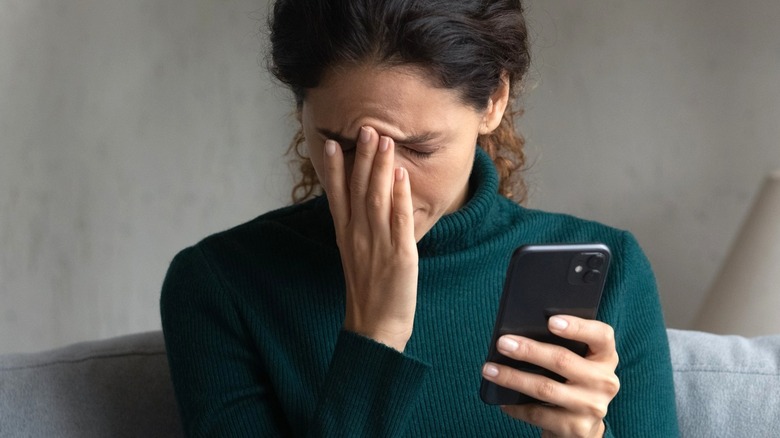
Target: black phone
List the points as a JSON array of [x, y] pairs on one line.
[[542, 281]]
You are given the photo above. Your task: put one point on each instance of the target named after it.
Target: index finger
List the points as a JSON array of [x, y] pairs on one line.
[[599, 336]]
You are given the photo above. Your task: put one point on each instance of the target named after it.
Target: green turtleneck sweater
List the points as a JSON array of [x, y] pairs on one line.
[[252, 319]]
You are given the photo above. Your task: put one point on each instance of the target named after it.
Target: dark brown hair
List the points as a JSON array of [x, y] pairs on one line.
[[466, 45]]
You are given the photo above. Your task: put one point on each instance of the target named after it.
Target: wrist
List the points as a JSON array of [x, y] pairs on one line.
[[393, 338]]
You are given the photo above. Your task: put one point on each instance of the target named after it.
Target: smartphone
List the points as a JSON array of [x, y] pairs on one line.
[[542, 281]]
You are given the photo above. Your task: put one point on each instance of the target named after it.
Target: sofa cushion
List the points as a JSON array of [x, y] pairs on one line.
[[726, 385], [116, 387]]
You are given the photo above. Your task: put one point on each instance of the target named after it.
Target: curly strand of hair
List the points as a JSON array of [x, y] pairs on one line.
[[505, 146], [307, 184]]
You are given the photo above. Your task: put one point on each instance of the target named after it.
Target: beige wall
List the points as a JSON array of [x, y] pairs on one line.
[[661, 117], [130, 129]]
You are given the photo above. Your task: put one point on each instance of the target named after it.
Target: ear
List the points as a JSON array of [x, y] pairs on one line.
[[496, 107]]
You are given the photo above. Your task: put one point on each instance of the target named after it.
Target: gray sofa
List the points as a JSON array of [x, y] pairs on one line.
[[726, 386]]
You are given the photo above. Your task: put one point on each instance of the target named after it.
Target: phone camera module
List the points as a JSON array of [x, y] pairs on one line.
[[587, 267]]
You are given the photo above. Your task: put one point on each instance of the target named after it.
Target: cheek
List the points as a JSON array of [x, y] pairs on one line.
[[436, 188], [428, 186]]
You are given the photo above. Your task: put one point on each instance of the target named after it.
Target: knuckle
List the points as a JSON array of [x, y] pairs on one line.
[[336, 201], [575, 327], [358, 185], [615, 360], [563, 360], [612, 385], [581, 429], [374, 201], [605, 336], [608, 336], [510, 380], [402, 220], [545, 390], [597, 410], [525, 350]]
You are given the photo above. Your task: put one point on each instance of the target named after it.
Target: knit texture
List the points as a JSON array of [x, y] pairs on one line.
[[252, 320]]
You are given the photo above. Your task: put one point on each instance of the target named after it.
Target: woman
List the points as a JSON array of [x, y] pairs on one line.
[[367, 311]]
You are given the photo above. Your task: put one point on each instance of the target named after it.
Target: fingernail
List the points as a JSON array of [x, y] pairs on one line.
[[490, 370], [330, 147], [508, 344], [558, 323], [384, 144], [399, 174], [365, 135]]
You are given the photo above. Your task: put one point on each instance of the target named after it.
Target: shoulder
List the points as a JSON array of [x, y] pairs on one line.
[[273, 241], [300, 226], [550, 227]]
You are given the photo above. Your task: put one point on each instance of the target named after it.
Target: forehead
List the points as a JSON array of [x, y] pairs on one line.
[[367, 76], [398, 99]]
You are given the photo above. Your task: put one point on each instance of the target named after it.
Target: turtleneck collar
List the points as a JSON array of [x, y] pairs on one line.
[[463, 228]]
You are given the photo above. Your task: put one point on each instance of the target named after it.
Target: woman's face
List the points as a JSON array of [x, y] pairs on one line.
[[434, 132]]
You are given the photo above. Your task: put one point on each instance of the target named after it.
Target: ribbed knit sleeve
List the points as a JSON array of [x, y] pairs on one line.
[[370, 390], [645, 405]]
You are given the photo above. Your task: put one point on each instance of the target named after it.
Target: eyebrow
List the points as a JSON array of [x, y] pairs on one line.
[[352, 142]]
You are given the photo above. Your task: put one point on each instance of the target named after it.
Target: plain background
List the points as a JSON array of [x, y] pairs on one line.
[[130, 129]]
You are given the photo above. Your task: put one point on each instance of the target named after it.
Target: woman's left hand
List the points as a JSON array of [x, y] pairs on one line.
[[577, 407]]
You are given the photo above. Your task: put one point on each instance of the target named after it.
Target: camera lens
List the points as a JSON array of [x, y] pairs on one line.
[[596, 261], [591, 276]]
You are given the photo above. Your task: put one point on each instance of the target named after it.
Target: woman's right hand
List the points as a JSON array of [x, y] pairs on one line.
[[374, 221]]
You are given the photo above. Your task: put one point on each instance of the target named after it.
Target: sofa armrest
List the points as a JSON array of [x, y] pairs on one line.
[[726, 385], [116, 387]]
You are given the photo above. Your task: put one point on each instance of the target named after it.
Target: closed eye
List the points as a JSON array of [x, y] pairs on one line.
[[349, 150], [417, 152]]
